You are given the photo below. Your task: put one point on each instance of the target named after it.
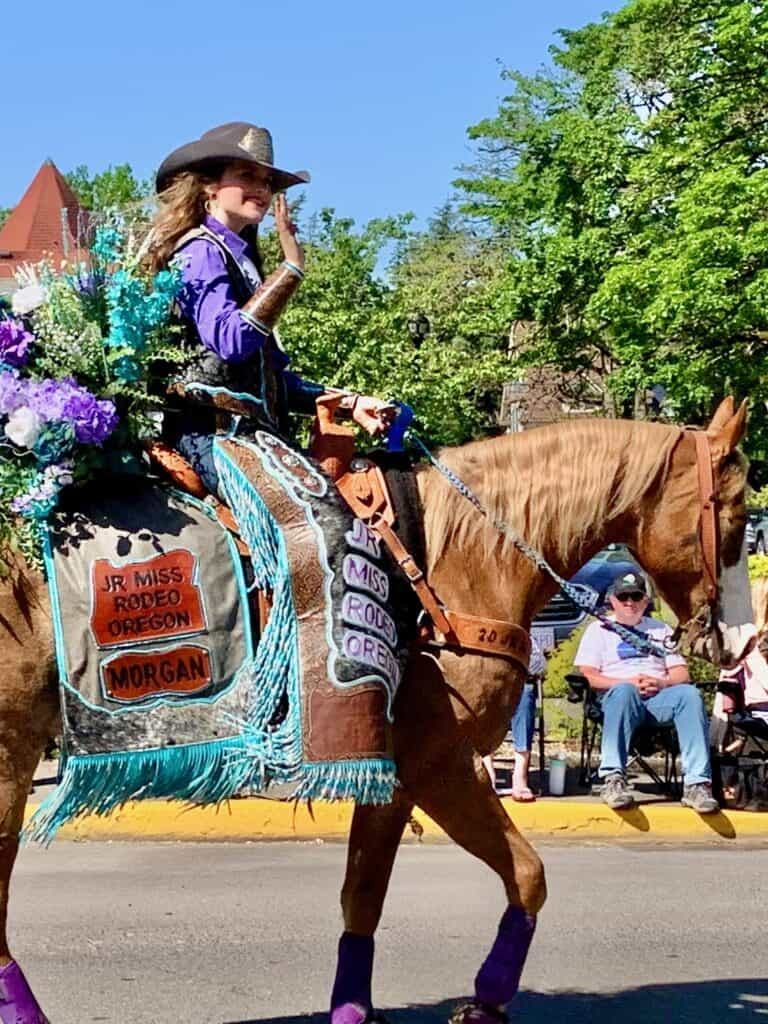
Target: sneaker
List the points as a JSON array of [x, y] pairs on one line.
[[616, 793], [699, 797]]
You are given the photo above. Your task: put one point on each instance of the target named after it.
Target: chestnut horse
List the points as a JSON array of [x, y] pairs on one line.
[[568, 489]]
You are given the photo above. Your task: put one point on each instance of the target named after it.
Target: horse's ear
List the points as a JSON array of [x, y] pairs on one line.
[[723, 413], [728, 436]]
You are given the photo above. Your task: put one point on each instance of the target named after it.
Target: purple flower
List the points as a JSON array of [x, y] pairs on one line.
[[48, 397], [93, 419], [13, 392], [15, 340]]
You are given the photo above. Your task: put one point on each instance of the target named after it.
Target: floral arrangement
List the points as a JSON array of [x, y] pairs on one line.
[[79, 352]]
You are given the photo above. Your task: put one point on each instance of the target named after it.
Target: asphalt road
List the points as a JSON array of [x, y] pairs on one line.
[[237, 934]]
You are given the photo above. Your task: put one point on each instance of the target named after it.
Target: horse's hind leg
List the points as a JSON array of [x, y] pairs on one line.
[[17, 767], [28, 717], [373, 844], [458, 796]]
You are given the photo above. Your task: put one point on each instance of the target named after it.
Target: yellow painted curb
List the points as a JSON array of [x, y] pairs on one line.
[[257, 819]]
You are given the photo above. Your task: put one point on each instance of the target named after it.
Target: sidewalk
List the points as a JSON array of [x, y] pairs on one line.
[[257, 819]]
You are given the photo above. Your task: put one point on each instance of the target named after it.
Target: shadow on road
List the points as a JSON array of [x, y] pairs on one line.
[[707, 1002]]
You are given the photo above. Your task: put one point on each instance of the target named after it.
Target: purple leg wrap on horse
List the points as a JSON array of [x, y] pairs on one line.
[[17, 1004], [351, 996], [498, 979]]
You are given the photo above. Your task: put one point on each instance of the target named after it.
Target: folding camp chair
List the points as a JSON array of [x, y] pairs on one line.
[[647, 740], [740, 753]]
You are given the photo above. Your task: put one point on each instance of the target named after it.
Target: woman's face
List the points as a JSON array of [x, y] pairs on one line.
[[241, 196]]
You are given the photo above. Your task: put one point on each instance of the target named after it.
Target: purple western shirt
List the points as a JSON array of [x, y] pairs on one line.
[[208, 301]]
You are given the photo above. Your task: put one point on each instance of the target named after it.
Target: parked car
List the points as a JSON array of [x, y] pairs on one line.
[[558, 619], [757, 519]]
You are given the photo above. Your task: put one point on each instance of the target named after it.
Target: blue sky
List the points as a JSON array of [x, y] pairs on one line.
[[373, 98]]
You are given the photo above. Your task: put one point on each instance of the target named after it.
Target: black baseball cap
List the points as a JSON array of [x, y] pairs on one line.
[[629, 583]]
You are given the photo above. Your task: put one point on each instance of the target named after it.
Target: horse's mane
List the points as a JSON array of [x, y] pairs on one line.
[[551, 484]]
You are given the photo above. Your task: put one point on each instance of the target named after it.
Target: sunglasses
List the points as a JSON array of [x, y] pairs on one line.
[[635, 595]]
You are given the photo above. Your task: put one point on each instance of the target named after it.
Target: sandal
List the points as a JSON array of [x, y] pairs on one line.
[[523, 795]]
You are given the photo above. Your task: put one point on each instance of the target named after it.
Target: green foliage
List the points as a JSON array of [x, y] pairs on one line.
[[630, 185], [758, 567], [562, 721], [560, 663], [69, 342], [5, 212], [759, 498], [16, 476], [117, 187], [348, 324]]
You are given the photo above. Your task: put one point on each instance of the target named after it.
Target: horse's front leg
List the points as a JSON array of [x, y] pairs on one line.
[[444, 775], [373, 844], [462, 802]]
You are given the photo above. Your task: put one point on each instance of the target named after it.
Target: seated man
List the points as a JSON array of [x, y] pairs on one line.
[[640, 688]]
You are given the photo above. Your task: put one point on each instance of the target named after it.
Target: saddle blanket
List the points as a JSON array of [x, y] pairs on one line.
[[164, 691], [154, 648]]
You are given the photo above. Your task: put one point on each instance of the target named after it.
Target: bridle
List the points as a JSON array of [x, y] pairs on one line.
[[703, 626], [709, 524]]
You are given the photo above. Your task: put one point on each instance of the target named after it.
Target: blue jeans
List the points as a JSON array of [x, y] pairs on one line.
[[524, 719], [624, 710]]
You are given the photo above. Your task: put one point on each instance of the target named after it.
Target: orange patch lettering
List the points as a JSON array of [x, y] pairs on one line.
[[134, 677], [147, 600]]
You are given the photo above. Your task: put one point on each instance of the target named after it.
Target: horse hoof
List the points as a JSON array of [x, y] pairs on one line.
[[17, 1003], [353, 1013], [350, 1013], [478, 1013]]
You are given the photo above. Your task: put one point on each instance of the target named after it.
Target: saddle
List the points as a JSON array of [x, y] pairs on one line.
[[362, 484]]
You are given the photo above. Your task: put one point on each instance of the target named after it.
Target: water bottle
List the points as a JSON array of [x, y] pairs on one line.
[[557, 767]]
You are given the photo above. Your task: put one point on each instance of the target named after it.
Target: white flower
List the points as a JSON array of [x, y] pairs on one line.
[[25, 300], [23, 427]]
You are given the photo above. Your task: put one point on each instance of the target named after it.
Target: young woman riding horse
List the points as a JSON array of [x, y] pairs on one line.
[[569, 489], [212, 195]]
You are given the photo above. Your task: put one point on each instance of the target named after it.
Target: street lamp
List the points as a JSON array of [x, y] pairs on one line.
[[418, 328]]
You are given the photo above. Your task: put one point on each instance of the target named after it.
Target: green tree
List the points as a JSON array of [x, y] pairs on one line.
[[454, 275], [629, 183], [115, 187], [348, 325], [5, 212]]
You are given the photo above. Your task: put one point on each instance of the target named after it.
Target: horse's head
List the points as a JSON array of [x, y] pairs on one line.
[[691, 542]]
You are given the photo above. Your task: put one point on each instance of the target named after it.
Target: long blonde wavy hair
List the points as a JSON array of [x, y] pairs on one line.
[[180, 207]]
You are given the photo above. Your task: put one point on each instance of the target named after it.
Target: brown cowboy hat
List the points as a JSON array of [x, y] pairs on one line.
[[237, 140]]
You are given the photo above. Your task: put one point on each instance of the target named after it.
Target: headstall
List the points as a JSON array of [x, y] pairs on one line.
[[709, 526]]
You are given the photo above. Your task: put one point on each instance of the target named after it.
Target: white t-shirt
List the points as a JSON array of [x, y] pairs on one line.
[[616, 658]]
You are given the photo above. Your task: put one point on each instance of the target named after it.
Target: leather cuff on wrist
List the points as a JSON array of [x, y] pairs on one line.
[[264, 307]]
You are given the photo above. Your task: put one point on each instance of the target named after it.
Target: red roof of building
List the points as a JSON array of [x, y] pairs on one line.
[[37, 227]]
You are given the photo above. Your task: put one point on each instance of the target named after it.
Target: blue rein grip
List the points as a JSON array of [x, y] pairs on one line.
[[396, 434]]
